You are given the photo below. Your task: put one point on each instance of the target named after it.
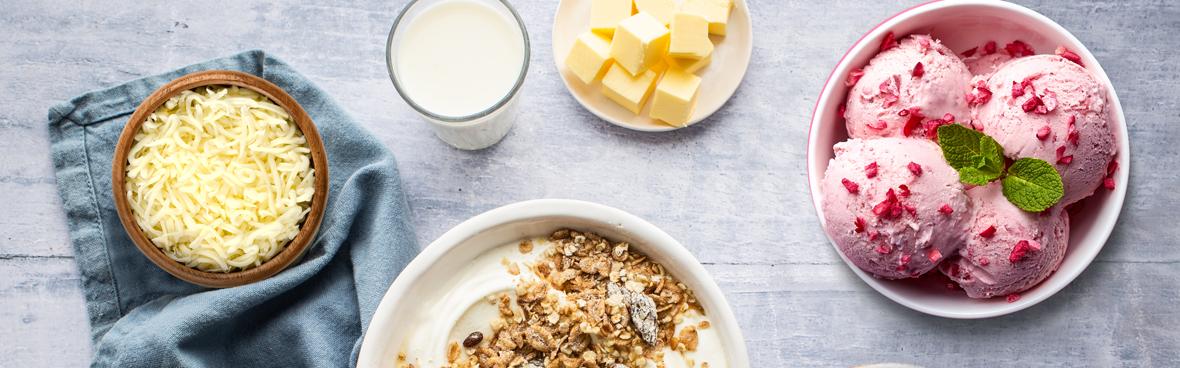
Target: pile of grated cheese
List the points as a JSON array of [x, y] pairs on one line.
[[220, 178]]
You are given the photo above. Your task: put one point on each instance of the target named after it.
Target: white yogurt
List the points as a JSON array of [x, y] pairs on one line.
[[459, 307], [459, 57]]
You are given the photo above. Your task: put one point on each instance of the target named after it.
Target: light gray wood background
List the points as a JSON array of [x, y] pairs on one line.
[[733, 189]]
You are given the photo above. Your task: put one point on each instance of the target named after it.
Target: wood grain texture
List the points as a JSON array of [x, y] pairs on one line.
[[733, 189]]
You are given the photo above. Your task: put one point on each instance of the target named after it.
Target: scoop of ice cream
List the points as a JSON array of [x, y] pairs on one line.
[[1008, 250], [983, 66], [1050, 108], [903, 87], [893, 205]]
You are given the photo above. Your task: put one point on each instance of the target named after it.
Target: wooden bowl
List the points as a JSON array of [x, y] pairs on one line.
[[319, 161]]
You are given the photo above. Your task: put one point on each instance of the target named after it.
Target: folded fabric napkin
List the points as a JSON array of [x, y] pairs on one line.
[[310, 315]]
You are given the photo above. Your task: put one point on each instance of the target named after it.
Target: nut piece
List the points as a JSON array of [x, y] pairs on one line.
[[643, 315], [473, 339], [688, 338], [453, 352], [539, 339], [619, 253], [642, 309]]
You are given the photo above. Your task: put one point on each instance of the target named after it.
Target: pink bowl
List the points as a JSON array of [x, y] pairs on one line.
[[961, 25]]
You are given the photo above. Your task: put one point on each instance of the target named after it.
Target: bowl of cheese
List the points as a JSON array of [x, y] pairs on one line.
[[220, 178]]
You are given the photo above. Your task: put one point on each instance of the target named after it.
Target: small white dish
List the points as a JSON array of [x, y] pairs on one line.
[[961, 25], [453, 250], [719, 80]]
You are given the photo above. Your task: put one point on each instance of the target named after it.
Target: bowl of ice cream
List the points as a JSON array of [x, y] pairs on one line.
[[904, 220], [553, 281]]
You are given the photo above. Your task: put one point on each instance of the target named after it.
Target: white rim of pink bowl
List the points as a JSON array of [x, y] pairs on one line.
[[653, 237], [1105, 223]]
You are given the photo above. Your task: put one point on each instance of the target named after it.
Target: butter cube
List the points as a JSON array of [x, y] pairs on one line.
[[639, 43], [714, 11], [661, 9], [675, 97], [690, 65], [589, 57], [628, 91], [690, 37], [605, 15]]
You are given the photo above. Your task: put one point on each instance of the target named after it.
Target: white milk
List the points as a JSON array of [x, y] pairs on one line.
[[459, 57]]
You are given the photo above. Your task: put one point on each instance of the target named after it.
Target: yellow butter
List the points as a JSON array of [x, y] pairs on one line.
[[661, 9], [628, 91], [714, 11], [689, 37], [690, 65], [675, 97], [639, 43], [605, 15], [589, 57]]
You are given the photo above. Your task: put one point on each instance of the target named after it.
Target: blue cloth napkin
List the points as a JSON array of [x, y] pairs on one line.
[[310, 315]]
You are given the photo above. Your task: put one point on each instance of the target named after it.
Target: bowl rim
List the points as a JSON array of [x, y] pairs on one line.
[[293, 250], [1117, 197], [722, 314], [738, 5]]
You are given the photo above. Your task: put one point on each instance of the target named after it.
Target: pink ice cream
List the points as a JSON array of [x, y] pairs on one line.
[[893, 205], [894, 82], [1050, 108], [982, 66], [1008, 250]]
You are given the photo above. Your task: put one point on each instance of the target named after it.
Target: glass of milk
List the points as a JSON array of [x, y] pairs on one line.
[[460, 64]]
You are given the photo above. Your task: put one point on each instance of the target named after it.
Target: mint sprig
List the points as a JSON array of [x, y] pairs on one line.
[[1031, 184], [976, 156]]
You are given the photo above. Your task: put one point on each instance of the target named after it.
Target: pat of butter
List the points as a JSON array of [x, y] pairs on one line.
[[690, 37], [675, 97], [690, 65], [589, 57], [628, 91], [714, 11], [661, 9], [605, 15], [639, 43]]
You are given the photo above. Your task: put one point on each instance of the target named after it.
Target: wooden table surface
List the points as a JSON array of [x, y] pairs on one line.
[[733, 189]]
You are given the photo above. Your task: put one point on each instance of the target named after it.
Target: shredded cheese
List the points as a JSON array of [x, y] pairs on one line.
[[220, 178]]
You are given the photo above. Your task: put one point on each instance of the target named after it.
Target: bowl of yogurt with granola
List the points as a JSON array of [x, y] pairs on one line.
[[554, 283]]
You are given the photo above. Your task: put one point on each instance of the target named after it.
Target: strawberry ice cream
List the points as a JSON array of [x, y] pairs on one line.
[[907, 85], [896, 209], [982, 66], [1008, 250], [893, 205], [1051, 108]]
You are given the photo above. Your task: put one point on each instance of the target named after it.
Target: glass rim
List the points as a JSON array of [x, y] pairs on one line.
[[524, 68]]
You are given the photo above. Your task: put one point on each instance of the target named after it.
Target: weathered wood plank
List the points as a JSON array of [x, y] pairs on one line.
[[43, 320]]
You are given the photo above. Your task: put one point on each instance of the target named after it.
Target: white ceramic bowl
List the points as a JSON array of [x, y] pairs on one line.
[[719, 80], [514, 222], [962, 25]]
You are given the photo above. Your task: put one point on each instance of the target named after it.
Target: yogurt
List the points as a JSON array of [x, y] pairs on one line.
[[458, 58], [460, 306]]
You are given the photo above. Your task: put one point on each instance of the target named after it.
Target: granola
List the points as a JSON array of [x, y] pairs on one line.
[[592, 303]]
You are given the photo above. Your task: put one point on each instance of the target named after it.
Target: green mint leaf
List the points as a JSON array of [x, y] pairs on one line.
[[1033, 185], [976, 156]]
